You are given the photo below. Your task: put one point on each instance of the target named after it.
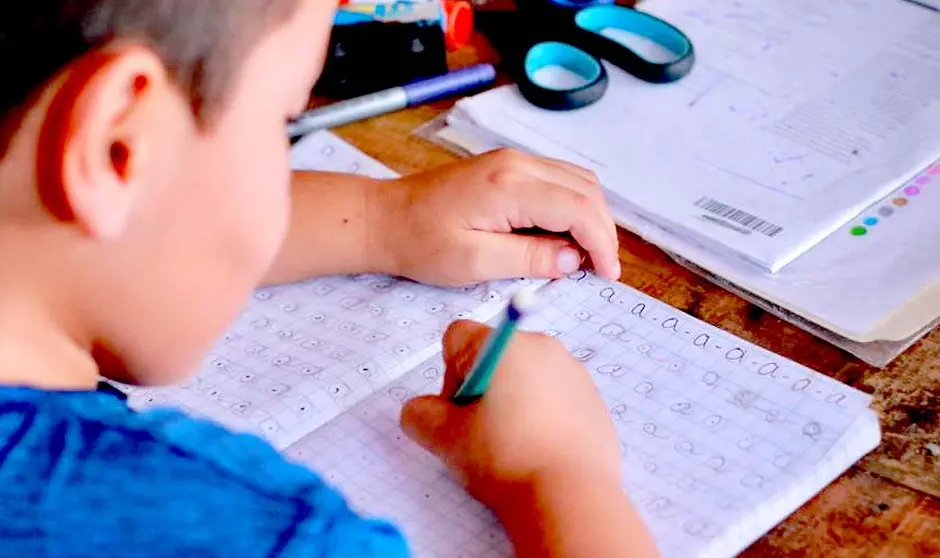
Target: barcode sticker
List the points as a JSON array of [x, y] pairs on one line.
[[738, 216]]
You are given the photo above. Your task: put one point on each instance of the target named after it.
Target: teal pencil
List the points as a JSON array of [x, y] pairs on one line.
[[478, 380]]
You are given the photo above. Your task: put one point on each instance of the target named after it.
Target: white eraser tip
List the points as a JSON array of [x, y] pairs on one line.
[[524, 299]]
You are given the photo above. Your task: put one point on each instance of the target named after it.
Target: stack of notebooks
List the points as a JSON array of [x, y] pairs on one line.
[[720, 439], [796, 164]]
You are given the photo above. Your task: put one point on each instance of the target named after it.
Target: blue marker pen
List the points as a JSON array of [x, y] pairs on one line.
[[389, 100]]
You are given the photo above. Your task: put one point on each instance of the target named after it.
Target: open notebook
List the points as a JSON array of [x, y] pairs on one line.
[[721, 440]]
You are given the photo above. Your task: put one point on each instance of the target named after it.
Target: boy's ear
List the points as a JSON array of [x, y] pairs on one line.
[[97, 134]]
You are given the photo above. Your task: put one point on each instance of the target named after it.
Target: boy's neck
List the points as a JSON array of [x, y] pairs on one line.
[[39, 345], [36, 352]]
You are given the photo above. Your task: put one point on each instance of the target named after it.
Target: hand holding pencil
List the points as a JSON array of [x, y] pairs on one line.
[[487, 359], [538, 447]]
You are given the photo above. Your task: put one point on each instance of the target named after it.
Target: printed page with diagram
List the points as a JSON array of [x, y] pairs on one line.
[[797, 116]]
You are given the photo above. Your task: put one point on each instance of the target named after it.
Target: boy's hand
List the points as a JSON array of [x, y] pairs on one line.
[[541, 420], [459, 224], [539, 449]]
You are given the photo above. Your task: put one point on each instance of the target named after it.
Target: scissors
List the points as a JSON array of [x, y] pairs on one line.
[[567, 39]]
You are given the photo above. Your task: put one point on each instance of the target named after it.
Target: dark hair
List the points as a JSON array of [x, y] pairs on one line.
[[201, 42]]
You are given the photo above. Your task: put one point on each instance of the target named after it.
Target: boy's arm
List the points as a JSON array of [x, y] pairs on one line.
[[334, 219], [453, 225]]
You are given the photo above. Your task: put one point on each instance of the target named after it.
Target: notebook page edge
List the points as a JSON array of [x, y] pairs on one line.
[[860, 439]]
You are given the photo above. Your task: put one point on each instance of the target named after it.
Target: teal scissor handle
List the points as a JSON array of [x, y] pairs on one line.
[[605, 29], [586, 70], [576, 40]]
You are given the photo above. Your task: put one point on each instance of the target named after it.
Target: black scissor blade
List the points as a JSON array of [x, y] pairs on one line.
[[507, 33], [513, 33]]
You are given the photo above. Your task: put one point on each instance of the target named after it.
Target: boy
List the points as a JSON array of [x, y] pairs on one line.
[[144, 194]]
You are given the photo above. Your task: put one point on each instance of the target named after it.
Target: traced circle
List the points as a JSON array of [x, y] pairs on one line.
[[398, 393]]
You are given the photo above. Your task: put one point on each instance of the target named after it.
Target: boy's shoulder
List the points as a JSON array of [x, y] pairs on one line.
[[82, 474]]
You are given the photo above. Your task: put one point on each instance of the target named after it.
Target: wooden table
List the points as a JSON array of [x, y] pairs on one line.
[[887, 505]]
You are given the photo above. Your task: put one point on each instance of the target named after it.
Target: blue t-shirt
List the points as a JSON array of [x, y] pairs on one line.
[[83, 475]]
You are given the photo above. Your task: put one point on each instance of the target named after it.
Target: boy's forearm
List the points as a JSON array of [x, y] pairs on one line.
[[576, 516], [335, 227]]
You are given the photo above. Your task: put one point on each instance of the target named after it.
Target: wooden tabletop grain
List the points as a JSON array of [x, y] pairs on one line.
[[888, 504]]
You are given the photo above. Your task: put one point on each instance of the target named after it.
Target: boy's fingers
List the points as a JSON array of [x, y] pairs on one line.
[[462, 340], [540, 166], [530, 256], [431, 420], [567, 175], [563, 210], [582, 172], [433, 424]]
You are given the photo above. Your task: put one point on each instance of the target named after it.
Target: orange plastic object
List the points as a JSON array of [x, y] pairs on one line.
[[458, 17]]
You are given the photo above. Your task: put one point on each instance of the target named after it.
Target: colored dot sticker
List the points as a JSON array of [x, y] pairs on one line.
[[934, 170], [922, 180], [858, 231], [885, 211], [900, 202], [912, 190], [870, 221]]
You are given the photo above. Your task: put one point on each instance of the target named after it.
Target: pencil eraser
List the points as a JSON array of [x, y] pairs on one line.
[[523, 300]]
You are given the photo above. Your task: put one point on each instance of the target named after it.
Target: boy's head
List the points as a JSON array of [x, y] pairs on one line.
[[144, 180]]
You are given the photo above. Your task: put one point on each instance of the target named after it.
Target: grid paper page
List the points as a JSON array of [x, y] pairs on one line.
[[712, 428], [382, 473], [301, 354], [324, 151]]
